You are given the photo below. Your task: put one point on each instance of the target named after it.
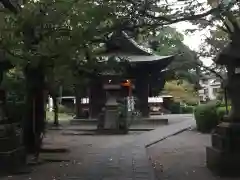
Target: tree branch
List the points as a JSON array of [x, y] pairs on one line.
[[12, 54], [210, 70], [9, 5], [186, 18]]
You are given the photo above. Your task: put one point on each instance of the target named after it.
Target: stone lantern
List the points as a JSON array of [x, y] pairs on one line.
[[110, 119], [224, 155], [111, 106]]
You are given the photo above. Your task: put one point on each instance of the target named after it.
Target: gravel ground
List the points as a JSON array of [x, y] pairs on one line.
[[182, 157], [83, 156], [102, 157]]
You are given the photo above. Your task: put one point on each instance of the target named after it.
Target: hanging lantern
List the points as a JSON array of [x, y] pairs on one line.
[[126, 83]]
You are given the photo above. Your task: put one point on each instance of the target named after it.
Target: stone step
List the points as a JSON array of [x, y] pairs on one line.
[[154, 121]]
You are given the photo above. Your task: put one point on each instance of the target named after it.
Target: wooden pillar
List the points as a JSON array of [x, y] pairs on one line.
[[78, 105], [142, 92], [96, 98]]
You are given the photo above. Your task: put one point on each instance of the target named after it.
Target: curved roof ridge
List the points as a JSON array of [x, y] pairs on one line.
[[146, 50]]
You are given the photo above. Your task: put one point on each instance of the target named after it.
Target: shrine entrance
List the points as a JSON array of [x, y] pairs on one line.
[[143, 72]]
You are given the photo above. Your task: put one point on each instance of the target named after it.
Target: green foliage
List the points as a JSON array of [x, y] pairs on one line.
[[192, 104], [209, 115], [221, 111], [175, 108], [13, 83], [168, 41], [58, 34], [206, 116], [182, 91], [217, 40], [164, 41], [187, 109]]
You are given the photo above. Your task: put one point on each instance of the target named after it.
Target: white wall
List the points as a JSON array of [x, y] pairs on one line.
[[208, 87]]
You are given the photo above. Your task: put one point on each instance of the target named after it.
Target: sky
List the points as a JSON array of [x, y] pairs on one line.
[[193, 40]]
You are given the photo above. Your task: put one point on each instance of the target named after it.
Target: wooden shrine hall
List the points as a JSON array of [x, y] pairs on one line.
[[145, 69]]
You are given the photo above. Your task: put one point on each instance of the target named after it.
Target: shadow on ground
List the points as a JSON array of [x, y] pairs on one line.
[[182, 157]]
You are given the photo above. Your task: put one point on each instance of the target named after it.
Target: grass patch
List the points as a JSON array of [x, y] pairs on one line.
[[61, 116]]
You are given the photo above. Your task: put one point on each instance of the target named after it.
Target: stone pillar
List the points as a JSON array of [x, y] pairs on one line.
[[142, 92], [223, 157], [111, 110]]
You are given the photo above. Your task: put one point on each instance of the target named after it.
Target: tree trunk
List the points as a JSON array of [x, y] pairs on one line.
[[142, 92], [78, 102], [96, 98], [1, 77], [34, 124]]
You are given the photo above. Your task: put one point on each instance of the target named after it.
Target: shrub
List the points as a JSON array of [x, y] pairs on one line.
[[221, 111], [192, 104], [187, 109], [206, 116], [175, 108]]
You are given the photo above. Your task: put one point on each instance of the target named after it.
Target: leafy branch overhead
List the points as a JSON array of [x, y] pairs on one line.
[[52, 43], [56, 33]]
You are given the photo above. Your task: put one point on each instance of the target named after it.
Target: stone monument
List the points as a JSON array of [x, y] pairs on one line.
[[111, 107], [12, 152], [224, 155]]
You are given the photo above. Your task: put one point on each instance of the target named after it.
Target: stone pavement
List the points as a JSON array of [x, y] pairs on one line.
[[105, 157], [182, 157]]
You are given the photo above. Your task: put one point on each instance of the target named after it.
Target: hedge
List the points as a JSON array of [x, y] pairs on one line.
[[187, 109], [206, 116], [221, 111], [209, 115], [175, 108]]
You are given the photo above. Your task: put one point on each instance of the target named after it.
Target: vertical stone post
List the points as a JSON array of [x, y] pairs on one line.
[[142, 92], [223, 157]]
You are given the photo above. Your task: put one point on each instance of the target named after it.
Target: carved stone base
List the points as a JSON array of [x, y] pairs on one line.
[[9, 143], [12, 153], [223, 157], [12, 160], [111, 117]]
